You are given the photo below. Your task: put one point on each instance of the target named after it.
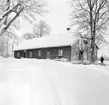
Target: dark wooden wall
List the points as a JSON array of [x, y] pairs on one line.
[[53, 53], [20, 52]]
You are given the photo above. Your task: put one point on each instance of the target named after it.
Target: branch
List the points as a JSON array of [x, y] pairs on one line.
[[101, 16], [17, 14], [94, 3], [8, 7], [11, 10], [89, 3], [83, 7], [101, 6], [102, 24]]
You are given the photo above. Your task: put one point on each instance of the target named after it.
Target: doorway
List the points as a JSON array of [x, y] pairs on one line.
[[48, 54]]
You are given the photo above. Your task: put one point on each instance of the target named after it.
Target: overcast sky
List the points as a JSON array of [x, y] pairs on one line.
[[57, 17]]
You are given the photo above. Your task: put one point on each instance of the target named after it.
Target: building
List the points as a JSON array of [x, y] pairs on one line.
[[56, 47]]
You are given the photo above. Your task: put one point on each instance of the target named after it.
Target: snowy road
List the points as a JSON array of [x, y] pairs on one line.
[[45, 82]]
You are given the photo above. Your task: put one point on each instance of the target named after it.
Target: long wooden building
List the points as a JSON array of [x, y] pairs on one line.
[[56, 47]]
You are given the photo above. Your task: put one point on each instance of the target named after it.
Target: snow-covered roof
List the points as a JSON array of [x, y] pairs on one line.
[[48, 41]]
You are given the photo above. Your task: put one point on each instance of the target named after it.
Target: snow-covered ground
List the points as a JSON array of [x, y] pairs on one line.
[[46, 82]]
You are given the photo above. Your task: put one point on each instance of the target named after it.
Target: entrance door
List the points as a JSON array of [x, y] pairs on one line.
[[80, 55], [24, 55], [48, 54]]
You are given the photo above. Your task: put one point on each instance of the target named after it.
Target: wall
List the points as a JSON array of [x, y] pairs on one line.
[[80, 45], [75, 52], [70, 52], [53, 53], [21, 53]]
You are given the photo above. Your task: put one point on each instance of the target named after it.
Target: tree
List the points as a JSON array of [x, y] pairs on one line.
[[6, 43], [27, 36], [11, 10], [92, 18], [41, 29]]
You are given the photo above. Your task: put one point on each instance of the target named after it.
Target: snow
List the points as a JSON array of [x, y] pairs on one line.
[[104, 51], [48, 41], [47, 82]]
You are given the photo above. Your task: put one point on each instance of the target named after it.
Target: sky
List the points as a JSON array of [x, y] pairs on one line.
[[57, 18]]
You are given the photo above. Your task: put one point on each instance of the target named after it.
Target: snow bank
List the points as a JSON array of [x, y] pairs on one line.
[[46, 82]]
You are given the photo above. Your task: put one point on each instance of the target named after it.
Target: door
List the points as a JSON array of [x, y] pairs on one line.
[[48, 54]]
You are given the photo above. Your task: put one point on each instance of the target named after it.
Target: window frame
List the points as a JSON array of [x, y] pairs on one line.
[[18, 54], [39, 53], [60, 52], [30, 54], [85, 42]]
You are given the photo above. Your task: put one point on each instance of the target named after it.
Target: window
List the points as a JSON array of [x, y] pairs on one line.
[[39, 53], [30, 54], [48, 54], [18, 55], [60, 52], [85, 42]]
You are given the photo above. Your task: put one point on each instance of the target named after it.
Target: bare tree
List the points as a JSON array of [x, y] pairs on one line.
[[11, 10], [92, 18], [41, 29]]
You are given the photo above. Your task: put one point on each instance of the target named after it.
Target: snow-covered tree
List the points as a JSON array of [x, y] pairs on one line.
[[27, 36], [41, 29], [11, 10], [6, 43], [92, 19]]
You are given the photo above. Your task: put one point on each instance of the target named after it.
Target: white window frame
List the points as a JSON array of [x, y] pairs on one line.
[[30, 54], [48, 53], [18, 54], [60, 52], [39, 53]]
